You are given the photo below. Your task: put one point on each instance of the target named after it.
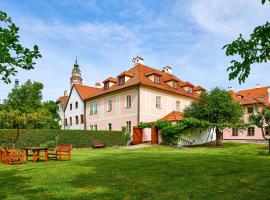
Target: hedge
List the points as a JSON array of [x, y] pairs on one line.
[[78, 138]]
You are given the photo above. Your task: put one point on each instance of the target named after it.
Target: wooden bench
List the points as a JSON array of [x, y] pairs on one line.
[[61, 152], [13, 156], [97, 144]]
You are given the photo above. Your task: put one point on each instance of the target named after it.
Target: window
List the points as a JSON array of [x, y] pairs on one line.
[[174, 85], [76, 104], [109, 126], [82, 119], [251, 131], [267, 130], [70, 121], [121, 80], [109, 105], [93, 109], [128, 125], [93, 127], [128, 101], [178, 105], [156, 79], [65, 121], [77, 120], [158, 101], [250, 110], [106, 85], [70, 106], [189, 89], [234, 132]]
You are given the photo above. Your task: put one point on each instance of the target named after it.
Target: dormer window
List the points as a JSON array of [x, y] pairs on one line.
[[156, 79], [122, 80], [109, 82], [189, 89], [174, 85], [106, 85]]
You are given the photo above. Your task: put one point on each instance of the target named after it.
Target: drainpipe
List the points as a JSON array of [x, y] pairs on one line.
[[64, 119], [138, 106], [84, 115]]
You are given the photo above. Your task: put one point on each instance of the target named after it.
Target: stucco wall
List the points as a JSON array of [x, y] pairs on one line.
[[119, 114], [74, 97]]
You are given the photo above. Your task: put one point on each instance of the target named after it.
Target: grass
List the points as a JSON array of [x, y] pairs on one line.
[[236, 171]]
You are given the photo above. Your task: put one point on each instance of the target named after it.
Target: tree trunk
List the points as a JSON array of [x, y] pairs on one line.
[[219, 137]]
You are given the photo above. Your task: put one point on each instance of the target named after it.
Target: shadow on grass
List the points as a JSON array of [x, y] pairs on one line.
[[145, 176], [12, 183]]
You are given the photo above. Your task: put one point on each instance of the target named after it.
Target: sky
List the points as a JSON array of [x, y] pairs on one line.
[[106, 34]]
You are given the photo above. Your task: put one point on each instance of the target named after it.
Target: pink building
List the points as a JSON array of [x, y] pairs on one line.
[[140, 94], [249, 99]]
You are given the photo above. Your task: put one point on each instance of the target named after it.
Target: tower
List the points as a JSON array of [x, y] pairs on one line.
[[75, 75]]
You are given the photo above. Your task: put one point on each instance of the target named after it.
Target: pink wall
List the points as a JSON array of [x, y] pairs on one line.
[[242, 134]]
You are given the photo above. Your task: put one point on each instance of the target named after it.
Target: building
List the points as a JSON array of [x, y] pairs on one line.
[[140, 94], [62, 102], [250, 99]]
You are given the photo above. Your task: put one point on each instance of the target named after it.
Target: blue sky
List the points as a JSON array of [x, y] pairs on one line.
[[106, 34]]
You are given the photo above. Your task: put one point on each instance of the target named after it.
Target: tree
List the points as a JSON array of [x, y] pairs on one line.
[[12, 54], [261, 118], [256, 49], [216, 107], [26, 98], [18, 120]]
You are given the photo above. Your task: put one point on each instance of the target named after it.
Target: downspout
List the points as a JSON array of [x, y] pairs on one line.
[[138, 106], [84, 115], [64, 119]]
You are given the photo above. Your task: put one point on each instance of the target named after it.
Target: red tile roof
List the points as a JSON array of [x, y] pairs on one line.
[[110, 79], [183, 84], [85, 91], [173, 116], [252, 96], [199, 88], [62, 101], [139, 78], [125, 73]]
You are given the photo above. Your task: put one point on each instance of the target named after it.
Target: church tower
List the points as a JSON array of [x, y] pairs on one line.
[[75, 75]]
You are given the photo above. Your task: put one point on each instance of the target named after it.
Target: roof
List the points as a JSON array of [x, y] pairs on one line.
[[125, 73], [85, 91], [110, 79], [199, 88], [174, 116], [183, 84], [62, 101], [252, 96], [139, 72]]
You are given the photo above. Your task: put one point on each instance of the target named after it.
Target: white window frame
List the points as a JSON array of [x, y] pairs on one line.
[[128, 125], [109, 105], [158, 102], [93, 108], [178, 105], [128, 101]]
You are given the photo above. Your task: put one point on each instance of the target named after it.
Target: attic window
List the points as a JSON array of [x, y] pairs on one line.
[[174, 85], [106, 85], [157, 79], [121, 80], [189, 89]]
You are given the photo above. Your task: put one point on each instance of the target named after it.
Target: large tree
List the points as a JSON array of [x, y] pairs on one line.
[[216, 107], [13, 55], [255, 49], [261, 118]]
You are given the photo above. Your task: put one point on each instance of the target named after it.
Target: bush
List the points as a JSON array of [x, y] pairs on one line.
[[78, 138]]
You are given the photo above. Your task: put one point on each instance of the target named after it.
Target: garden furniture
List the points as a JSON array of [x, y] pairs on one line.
[[98, 144], [13, 156], [61, 152], [36, 153]]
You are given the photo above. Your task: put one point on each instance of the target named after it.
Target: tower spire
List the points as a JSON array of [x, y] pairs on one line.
[[75, 74]]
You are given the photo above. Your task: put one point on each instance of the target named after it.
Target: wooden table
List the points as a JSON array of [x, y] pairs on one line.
[[36, 153]]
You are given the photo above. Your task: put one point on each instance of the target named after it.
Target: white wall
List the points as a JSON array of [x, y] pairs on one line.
[[199, 136], [74, 97]]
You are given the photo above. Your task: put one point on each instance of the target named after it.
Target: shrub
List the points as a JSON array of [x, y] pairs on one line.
[[78, 138]]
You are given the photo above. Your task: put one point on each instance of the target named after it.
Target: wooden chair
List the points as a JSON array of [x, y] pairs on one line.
[[61, 152], [13, 156], [97, 144]]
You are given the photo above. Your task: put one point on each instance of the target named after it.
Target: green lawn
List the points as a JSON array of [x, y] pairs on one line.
[[236, 171]]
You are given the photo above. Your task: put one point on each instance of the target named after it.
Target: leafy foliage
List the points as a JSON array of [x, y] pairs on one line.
[[256, 49], [13, 55], [261, 118], [78, 138]]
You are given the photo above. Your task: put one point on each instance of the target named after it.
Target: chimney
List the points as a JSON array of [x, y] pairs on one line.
[[258, 85], [167, 69], [65, 93], [98, 85], [16, 82], [138, 60], [230, 88]]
